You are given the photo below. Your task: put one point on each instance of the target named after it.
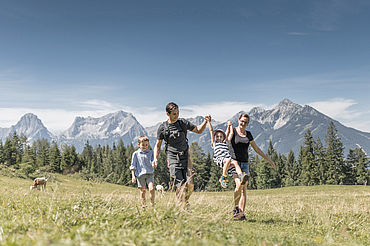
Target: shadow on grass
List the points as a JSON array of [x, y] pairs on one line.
[[273, 221]]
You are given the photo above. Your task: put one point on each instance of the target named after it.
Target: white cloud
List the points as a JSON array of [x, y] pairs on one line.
[[341, 109], [337, 108]]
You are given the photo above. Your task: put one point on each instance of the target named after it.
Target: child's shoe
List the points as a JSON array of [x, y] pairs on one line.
[[223, 181], [243, 178]]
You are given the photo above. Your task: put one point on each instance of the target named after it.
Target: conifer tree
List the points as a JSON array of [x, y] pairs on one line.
[[99, 161], [360, 164], [215, 174], [1, 152], [42, 148], [130, 149], [108, 163], [87, 158], [69, 161], [252, 172], [320, 162], [275, 173], [9, 153], [161, 172], [55, 158], [120, 162], [334, 156], [201, 171], [299, 165], [308, 173], [291, 172], [29, 156], [264, 176]]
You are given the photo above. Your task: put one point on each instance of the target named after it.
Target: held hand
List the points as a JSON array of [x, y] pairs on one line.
[[155, 163], [229, 123], [133, 180], [208, 118]]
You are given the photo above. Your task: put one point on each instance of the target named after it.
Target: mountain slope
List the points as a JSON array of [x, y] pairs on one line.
[[107, 129], [30, 126], [287, 123]]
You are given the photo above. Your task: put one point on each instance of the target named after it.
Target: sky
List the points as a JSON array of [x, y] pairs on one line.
[[66, 58]]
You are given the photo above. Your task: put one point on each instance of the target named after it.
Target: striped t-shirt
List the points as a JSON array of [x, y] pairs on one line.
[[221, 150]]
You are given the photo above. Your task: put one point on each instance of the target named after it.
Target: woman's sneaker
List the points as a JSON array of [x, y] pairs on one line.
[[223, 181], [236, 212]]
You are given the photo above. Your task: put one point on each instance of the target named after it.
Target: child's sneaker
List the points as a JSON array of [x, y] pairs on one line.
[[223, 181], [243, 178]]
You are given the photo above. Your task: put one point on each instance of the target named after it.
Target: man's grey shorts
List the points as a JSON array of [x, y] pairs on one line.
[[145, 179]]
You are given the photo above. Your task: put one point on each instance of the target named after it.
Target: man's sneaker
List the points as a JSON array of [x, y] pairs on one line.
[[243, 178], [223, 181]]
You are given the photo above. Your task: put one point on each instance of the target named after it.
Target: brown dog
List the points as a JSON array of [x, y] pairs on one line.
[[39, 183]]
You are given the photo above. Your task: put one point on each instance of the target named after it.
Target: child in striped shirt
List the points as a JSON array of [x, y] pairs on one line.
[[221, 154]]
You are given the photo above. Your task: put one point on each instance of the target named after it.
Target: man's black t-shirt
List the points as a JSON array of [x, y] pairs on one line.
[[174, 134]]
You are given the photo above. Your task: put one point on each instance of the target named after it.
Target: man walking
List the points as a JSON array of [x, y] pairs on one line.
[[174, 133]]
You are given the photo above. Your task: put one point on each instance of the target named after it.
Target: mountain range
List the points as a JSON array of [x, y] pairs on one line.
[[285, 124]]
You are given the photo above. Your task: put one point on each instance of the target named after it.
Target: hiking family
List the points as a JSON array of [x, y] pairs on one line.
[[230, 153]]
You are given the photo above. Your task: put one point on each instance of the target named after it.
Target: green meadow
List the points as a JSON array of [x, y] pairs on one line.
[[76, 212]]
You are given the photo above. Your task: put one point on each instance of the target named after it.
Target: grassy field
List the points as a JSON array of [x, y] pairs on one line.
[[75, 212]]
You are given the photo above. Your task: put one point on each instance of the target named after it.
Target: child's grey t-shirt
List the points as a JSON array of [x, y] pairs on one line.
[[142, 162]]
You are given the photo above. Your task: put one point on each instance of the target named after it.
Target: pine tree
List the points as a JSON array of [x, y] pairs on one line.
[[108, 164], [252, 172], [291, 172], [55, 158], [42, 147], [161, 173], [334, 156], [99, 161], [299, 165], [120, 161], [264, 176], [214, 176], [308, 173], [360, 163], [29, 156], [320, 162], [126, 172], [9, 153], [201, 170], [276, 172], [28, 164], [87, 157], [69, 162], [1, 153]]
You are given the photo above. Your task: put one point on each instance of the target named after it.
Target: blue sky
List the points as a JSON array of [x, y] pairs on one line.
[[62, 59]]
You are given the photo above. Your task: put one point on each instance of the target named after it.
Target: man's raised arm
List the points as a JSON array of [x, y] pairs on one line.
[[199, 129]]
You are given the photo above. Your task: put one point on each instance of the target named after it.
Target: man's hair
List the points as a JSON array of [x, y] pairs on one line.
[[171, 106], [244, 115], [143, 139]]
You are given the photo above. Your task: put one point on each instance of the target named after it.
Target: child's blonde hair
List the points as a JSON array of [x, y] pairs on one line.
[[143, 139]]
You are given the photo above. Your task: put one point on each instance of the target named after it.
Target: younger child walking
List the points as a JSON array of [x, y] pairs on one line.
[[142, 170], [221, 154]]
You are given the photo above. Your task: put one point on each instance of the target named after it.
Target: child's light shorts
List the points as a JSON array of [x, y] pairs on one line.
[[145, 179]]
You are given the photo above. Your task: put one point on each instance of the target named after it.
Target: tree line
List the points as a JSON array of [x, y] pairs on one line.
[[315, 163]]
